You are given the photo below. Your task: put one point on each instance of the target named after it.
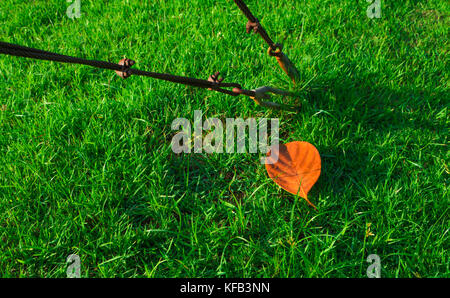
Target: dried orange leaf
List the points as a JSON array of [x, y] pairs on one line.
[[295, 167]]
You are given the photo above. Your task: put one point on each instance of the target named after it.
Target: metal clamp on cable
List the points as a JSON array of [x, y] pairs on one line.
[[277, 51], [126, 65], [253, 26], [214, 78], [218, 85]]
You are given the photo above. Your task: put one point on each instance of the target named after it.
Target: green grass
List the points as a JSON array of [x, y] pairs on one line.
[[86, 166]]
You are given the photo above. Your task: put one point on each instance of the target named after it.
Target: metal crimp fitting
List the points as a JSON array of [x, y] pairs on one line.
[[253, 26], [126, 65]]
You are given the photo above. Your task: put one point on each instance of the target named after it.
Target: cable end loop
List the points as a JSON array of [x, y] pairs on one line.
[[277, 51], [262, 94], [284, 62]]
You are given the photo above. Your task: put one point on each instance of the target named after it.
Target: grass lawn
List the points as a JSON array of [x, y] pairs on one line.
[[86, 165]]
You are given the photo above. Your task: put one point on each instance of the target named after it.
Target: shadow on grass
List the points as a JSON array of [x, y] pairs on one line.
[[378, 112]]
